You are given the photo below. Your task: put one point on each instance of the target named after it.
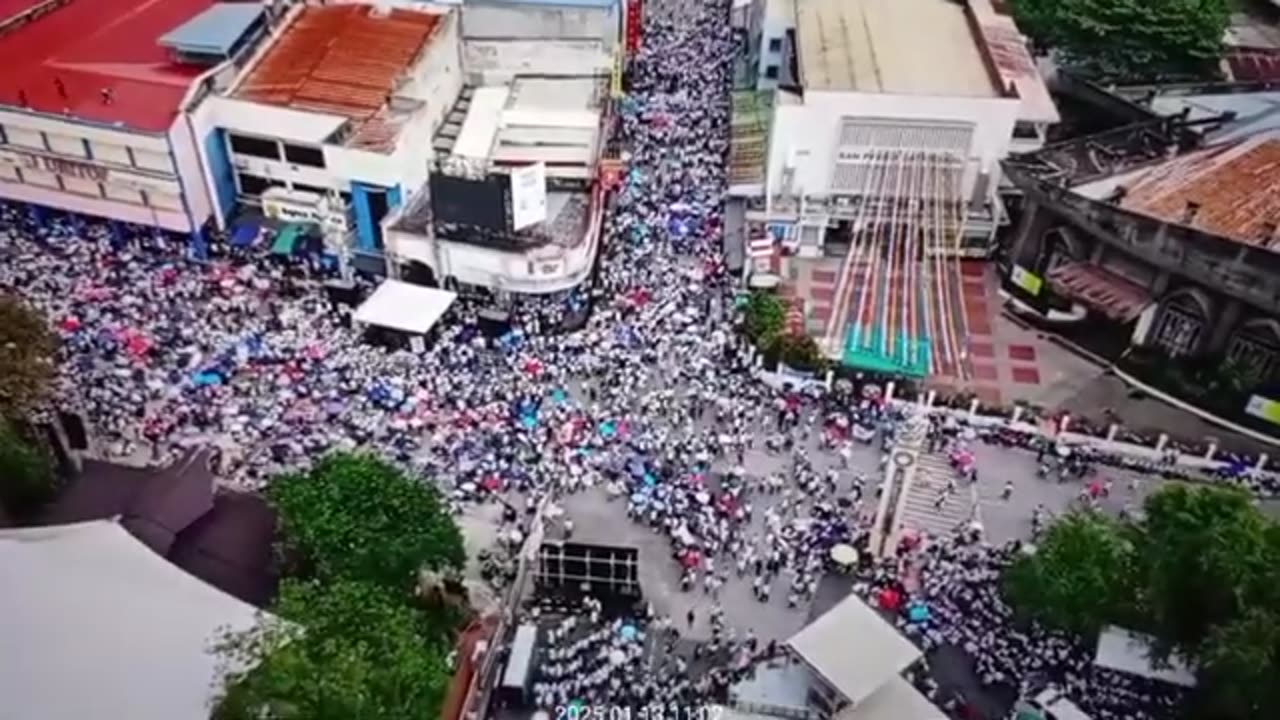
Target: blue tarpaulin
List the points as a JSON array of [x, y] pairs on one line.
[[245, 234]]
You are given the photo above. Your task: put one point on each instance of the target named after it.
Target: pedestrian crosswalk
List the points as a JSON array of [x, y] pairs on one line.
[[920, 511]]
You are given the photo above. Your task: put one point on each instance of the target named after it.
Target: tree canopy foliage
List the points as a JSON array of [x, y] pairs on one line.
[[27, 346], [1200, 572], [27, 479], [358, 643], [357, 517], [766, 315], [1129, 39], [1076, 579], [354, 652]]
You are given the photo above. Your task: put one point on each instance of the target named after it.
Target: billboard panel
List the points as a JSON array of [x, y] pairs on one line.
[[470, 202], [634, 23], [528, 195]]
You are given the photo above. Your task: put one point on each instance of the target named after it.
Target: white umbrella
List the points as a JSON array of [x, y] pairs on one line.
[[1063, 451], [844, 555]]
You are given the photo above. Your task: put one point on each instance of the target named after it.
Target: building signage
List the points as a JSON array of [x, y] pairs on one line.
[[528, 195], [1263, 409], [1027, 280], [635, 25], [61, 166]]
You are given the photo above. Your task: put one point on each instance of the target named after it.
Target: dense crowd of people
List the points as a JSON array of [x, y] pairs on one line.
[[651, 399]]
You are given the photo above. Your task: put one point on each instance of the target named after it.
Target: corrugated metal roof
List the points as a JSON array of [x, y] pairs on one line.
[[1235, 186], [342, 59], [214, 31]]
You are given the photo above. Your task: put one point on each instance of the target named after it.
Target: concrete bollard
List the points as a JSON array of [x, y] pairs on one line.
[[1213, 450], [1017, 415], [830, 381], [931, 399], [973, 409], [1161, 442], [1111, 432], [1262, 463], [1064, 424], [888, 391]]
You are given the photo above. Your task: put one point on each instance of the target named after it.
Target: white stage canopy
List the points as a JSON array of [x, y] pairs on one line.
[[96, 625], [1130, 652], [895, 700], [405, 307], [854, 649]]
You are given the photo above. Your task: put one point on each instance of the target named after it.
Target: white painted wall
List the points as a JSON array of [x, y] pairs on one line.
[[308, 128], [808, 130], [545, 270], [499, 58], [191, 176], [481, 20], [437, 78], [134, 163]]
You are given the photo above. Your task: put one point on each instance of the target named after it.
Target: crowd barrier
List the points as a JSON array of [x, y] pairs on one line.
[[1161, 450]]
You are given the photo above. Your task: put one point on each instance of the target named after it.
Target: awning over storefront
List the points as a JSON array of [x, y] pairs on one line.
[[1105, 292], [287, 239]]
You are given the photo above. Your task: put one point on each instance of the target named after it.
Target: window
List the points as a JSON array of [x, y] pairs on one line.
[[255, 147], [1253, 353], [771, 72], [775, 44], [1026, 131], [300, 155], [1178, 332], [322, 192], [252, 184]]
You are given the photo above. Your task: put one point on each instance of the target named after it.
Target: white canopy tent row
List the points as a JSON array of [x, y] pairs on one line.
[[97, 625]]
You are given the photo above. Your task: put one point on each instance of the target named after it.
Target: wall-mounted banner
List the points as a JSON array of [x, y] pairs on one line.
[[634, 25]]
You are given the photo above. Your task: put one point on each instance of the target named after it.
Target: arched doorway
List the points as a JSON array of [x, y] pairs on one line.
[[418, 273]]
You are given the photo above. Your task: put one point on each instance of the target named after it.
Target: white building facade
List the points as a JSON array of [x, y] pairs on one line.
[[291, 156]]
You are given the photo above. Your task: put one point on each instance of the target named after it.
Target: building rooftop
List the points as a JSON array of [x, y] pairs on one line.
[[854, 649], [1232, 185], [216, 31], [903, 47], [1005, 44], [342, 60], [534, 119], [62, 55]]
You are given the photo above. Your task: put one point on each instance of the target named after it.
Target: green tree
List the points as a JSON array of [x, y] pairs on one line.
[[356, 517], [1129, 39], [26, 358], [1206, 553], [766, 314], [797, 350], [27, 480], [343, 651], [1240, 666], [1076, 578]]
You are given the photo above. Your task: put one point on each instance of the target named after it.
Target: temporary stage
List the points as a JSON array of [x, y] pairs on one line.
[[404, 307]]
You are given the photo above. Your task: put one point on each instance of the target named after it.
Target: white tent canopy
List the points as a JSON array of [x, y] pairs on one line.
[[1130, 652], [854, 649], [405, 307], [96, 625], [895, 700]]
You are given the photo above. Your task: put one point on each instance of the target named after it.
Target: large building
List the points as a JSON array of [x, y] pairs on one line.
[[93, 102], [330, 120], [533, 142], [884, 141], [1162, 236], [873, 83]]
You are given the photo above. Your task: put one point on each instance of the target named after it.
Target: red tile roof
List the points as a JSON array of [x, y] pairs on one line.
[[1235, 186], [92, 45], [1254, 64], [1104, 292], [340, 59]]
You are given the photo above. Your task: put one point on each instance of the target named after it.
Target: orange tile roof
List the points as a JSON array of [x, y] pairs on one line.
[[339, 59], [1237, 187]]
